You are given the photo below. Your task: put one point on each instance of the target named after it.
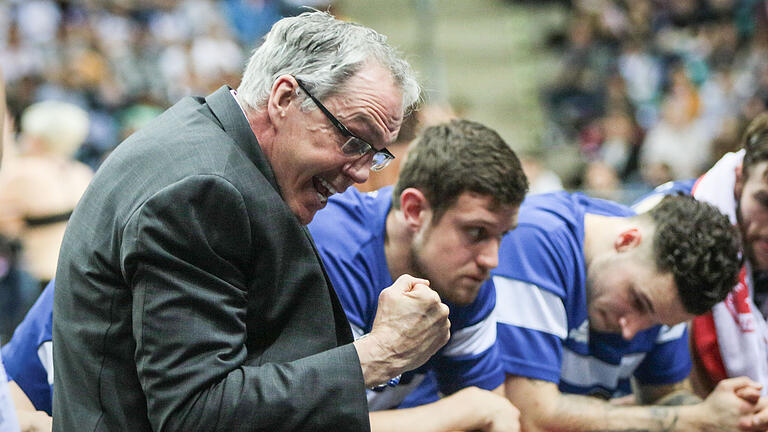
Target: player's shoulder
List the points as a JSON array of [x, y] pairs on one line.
[[475, 312], [350, 218]]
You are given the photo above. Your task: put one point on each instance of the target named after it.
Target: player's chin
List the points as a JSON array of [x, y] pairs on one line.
[[307, 205], [466, 292]]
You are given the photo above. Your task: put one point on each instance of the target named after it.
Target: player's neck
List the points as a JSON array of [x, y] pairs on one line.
[[599, 234]]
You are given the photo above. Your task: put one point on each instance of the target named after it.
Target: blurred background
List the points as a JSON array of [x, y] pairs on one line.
[[612, 97]]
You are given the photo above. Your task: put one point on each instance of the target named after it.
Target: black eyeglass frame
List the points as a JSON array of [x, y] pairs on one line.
[[388, 156]]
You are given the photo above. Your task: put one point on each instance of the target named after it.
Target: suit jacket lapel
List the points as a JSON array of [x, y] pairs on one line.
[[228, 112]]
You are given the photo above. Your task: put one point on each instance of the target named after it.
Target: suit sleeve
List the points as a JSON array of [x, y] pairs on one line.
[[186, 254]]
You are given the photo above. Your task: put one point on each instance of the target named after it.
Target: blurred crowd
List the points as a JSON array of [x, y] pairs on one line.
[[124, 61], [651, 91]]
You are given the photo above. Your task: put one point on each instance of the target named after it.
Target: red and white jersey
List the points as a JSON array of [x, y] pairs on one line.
[[732, 339]]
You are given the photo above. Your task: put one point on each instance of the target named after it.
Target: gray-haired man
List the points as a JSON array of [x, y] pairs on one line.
[[189, 295]]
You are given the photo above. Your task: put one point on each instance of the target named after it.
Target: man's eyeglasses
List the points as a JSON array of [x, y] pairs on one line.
[[354, 146]]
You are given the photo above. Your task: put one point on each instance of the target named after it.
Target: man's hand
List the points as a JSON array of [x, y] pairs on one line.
[[34, 421], [758, 421], [411, 324], [497, 414], [730, 405], [469, 409]]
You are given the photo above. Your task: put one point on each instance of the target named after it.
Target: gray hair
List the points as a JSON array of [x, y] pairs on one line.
[[323, 53]]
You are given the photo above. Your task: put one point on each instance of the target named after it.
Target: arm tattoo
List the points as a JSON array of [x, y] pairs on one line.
[[679, 399], [662, 418]]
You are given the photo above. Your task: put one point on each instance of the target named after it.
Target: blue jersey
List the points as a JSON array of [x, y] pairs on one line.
[[543, 328], [28, 357], [648, 201], [350, 235]]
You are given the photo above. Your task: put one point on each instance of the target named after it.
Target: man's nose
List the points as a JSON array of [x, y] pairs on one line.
[[489, 255], [631, 324], [359, 169]]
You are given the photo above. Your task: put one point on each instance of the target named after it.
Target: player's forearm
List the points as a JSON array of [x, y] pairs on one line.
[[587, 414], [469, 409], [679, 393]]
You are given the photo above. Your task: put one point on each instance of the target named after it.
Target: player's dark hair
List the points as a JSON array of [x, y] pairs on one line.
[[459, 156], [755, 142], [700, 247]]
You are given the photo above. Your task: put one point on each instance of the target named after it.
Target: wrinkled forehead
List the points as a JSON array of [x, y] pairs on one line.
[[372, 98]]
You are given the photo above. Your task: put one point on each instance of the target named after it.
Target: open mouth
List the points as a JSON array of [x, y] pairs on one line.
[[323, 188]]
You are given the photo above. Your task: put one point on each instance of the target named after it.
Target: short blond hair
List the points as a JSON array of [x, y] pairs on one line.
[[61, 126]]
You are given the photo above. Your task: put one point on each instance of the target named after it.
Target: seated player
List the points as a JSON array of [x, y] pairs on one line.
[[458, 192], [730, 340], [590, 295]]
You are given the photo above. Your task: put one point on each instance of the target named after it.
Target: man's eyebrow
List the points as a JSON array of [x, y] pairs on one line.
[[647, 302]]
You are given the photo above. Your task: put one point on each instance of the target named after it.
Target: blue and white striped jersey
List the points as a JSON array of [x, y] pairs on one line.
[[543, 327], [350, 234], [29, 354]]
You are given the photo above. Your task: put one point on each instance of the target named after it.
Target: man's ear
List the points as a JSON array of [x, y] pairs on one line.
[[415, 209], [628, 239], [281, 95], [739, 186]]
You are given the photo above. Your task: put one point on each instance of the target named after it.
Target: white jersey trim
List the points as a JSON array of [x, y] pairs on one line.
[[667, 333], [45, 354], [522, 304], [587, 371], [357, 332], [472, 340]]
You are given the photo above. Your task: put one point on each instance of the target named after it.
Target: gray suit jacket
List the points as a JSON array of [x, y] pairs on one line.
[[189, 297]]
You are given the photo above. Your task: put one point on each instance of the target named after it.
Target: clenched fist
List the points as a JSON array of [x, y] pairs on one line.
[[411, 324]]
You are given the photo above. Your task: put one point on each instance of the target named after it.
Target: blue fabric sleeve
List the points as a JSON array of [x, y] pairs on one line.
[[669, 362], [530, 353], [20, 355], [426, 393]]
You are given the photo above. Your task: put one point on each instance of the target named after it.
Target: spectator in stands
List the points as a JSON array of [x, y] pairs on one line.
[[700, 61], [41, 186]]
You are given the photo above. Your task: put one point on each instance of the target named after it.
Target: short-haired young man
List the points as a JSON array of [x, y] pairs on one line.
[[590, 294], [458, 192]]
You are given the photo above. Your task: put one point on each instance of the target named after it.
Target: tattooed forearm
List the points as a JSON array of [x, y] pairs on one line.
[[680, 393], [683, 398], [655, 418]]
